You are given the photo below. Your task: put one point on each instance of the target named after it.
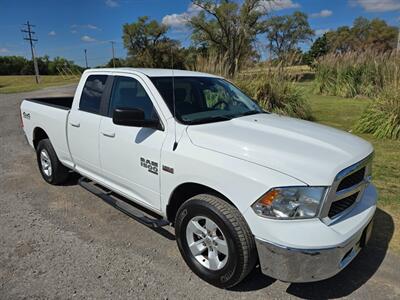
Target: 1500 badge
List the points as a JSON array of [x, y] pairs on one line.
[[151, 166]]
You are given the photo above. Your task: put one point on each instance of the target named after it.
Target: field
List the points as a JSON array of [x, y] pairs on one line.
[[342, 113], [14, 84]]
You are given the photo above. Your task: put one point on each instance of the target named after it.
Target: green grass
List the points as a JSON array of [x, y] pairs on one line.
[[16, 84], [343, 113]]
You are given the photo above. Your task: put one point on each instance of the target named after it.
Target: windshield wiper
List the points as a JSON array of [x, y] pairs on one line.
[[209, 120]]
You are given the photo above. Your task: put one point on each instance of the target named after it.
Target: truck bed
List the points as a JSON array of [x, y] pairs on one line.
[[58, 102], [49, 114]]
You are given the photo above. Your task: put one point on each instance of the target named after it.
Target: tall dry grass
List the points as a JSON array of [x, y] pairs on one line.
[[275, 89], [382, 117], [210, 63], [368, 74], [357, 73]]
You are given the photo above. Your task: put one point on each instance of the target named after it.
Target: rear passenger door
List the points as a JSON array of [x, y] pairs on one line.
[[83, 126], [130, 156]]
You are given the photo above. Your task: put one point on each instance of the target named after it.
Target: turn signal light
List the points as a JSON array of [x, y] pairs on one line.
[[268, 198]]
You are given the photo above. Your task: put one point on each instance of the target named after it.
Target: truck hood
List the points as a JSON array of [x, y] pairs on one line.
[[307, 151]]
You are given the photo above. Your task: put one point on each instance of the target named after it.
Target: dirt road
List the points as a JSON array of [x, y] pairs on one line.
[[63, 242]]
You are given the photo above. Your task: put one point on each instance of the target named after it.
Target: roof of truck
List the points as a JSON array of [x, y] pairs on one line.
[[157, 72]]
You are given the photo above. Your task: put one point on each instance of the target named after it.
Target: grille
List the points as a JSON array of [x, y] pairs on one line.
[[352, 180], [341, 205]]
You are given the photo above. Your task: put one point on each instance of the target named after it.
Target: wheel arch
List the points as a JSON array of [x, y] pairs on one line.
[[38, 135], [185, 191]]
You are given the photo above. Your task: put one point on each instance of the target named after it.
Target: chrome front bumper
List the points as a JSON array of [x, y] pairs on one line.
[[301, 265]]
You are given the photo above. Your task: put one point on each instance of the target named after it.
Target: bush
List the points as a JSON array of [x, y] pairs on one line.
[[356, 74], [382, 117], [277, 92]]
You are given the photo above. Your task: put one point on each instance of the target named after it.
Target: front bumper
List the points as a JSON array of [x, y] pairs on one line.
[[301, 265]]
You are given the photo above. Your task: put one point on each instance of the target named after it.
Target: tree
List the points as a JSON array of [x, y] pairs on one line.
[[228, 28], [148, 45], [117, 62], [365, 34], [318, 48], [17, 65], [284, 33], [12, 65]]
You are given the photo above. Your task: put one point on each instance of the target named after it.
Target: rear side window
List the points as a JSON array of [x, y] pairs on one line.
[[92, 93]]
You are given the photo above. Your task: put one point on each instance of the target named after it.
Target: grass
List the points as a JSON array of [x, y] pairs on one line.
[[343, 113], [357, 74], [16, 84]]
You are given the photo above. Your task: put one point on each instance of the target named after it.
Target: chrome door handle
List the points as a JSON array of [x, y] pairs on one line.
[[75, 124], [110, 134]]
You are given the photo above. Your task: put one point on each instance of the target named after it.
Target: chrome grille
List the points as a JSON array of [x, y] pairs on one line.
[[352, 179], [346, 190], [338, 207]]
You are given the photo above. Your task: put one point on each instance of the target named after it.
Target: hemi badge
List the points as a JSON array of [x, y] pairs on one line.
[[168, 169]]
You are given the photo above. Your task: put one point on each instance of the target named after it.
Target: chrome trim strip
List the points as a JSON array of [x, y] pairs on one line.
[[333, 195], [354, 168], [350, 191]]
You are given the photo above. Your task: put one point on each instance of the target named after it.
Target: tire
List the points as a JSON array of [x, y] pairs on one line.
[[213, 265], [55, 173]]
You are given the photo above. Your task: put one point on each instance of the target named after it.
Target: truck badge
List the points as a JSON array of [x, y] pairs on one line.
[[151, 166]]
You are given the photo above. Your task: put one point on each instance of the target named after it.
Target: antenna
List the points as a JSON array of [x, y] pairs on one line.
[[173, 99]]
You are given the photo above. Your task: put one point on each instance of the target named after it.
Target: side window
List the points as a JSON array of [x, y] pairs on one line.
[[129, 93], [92, 92]]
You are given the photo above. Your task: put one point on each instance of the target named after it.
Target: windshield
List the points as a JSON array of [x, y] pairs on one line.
[[201, 100]]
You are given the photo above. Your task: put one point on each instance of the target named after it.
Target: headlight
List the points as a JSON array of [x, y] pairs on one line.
[[290, 202]]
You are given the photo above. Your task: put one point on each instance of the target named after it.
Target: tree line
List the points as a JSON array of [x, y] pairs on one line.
[[18, 65], [229, 34]]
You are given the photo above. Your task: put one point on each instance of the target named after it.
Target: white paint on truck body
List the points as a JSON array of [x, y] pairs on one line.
[[242, 159]]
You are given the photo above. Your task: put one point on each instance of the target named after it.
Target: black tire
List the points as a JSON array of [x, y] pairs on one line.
[[241, 246], [59, 173]]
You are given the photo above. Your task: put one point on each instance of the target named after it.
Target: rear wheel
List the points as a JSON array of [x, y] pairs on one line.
[[49, 165], [215, 240]]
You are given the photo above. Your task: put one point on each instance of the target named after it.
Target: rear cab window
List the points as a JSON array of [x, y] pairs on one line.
[[92, 93]]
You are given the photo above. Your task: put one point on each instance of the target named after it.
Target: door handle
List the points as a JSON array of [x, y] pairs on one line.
[[109, 134], [77, 124]]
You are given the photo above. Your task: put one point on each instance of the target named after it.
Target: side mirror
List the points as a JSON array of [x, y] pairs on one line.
[[133, 117]]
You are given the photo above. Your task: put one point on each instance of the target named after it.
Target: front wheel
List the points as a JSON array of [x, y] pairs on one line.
[[215, 240]]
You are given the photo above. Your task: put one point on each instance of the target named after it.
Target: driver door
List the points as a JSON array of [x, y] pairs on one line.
[[130, 156]]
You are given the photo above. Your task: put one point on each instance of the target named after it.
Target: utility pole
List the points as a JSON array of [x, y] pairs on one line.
[[87, 67], [113, 53], [31, 39]]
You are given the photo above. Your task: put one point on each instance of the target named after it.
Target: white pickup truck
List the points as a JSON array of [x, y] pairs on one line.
[[240, 185]]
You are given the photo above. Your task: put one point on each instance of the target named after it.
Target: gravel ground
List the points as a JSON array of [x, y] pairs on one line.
[[63, 242]]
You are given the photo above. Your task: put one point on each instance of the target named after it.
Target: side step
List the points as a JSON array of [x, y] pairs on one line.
[[123, 205]]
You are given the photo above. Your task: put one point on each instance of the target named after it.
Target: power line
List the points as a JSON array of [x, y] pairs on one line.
[[31, 39]]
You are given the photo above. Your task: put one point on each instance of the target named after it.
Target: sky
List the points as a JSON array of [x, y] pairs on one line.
[[66, 28]]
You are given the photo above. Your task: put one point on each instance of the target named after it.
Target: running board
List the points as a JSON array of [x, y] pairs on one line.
[[128, 209]]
